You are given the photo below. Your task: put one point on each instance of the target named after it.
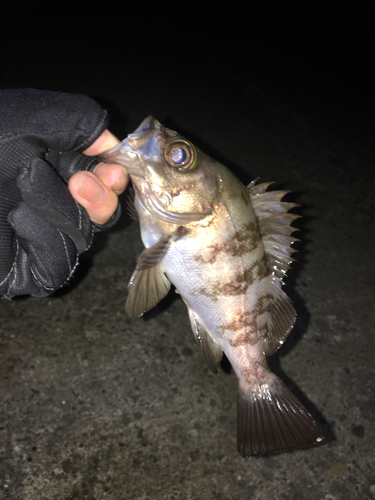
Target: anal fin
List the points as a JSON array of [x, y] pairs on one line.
[[280, 320], [211, 349], [272, 420]]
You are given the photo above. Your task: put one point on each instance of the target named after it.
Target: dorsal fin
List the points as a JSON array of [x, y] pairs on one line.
[[276, 230], [274, 224]]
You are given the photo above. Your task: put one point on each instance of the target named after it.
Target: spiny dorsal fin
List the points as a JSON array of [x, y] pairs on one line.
[[274, 223], [210, 347], [260, 188]]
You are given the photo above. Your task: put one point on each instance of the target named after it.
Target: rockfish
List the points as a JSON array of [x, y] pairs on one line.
[[226, 248]]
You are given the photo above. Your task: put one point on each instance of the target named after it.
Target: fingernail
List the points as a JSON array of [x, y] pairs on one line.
[[92, 190], [119, 177], [115, 175]]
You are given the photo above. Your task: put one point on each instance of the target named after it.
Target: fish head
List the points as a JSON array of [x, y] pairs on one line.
[[173, 179]]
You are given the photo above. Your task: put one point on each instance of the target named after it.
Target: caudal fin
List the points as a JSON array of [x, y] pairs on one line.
[[273, 419]]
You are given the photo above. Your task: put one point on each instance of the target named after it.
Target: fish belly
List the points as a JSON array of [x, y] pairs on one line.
[[221, 274]]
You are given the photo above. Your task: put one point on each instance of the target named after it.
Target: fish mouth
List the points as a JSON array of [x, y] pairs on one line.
[[141, 145], [144, 137], [140, 149]]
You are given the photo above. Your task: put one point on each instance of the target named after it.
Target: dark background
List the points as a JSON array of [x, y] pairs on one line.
[[318, 58], [97, 406]]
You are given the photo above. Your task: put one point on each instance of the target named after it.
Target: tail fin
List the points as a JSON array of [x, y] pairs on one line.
[[273, 420]]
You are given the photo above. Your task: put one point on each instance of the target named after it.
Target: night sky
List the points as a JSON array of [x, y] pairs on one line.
[[317, 57]]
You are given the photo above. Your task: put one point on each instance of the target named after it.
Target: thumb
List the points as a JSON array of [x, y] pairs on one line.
[[89, 191]]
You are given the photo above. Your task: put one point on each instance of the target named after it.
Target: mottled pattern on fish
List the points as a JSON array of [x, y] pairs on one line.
[[226, 248]]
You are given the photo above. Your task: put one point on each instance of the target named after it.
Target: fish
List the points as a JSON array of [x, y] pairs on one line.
[[226, 248]]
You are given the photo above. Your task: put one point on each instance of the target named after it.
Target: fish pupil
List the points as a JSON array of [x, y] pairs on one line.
[[178, 156]]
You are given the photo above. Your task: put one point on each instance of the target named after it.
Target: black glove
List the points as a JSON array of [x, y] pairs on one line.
[[42, 228]]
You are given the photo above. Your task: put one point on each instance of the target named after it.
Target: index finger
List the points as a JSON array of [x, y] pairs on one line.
[[103, 143]]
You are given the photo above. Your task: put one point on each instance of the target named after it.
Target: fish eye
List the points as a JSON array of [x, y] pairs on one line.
[[181, 154], [178, 156]]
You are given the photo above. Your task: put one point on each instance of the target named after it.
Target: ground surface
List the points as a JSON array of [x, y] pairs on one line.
[[96, 406]]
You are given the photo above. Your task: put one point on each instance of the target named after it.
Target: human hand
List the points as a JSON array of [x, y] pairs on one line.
[[98, 192], [42, 227]]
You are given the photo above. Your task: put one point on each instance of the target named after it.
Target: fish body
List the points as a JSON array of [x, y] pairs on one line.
[[226, 249]]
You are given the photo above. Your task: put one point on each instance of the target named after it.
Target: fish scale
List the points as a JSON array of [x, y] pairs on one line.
[[226, 248]]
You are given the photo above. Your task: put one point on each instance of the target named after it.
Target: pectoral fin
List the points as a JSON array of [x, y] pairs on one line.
[[146, 288], [149, 285], [211, 349]]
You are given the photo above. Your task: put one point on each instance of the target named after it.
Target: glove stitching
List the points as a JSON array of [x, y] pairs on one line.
[[67, 257], [80, 212], [80, 215], [91, 238], [92, 234], [73, 270], [66, 253], [13, 268], [79, 208], [39, 283]]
